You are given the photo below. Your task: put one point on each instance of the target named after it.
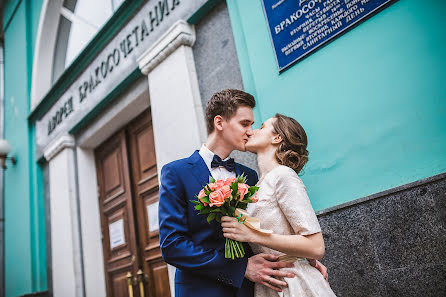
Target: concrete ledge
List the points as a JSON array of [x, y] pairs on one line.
[[38, 294], [181, 33], [382, 194], [58, 145]]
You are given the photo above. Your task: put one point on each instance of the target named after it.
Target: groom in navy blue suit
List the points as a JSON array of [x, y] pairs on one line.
[[188, 242]]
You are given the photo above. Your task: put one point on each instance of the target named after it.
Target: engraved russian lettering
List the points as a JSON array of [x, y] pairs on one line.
[[96, 72], [135, 32], [104, 68], [175, 3], [123, 48], [153, 20], [63, 112], [129, 44], [164, 9], [110, 66], [144, 30]]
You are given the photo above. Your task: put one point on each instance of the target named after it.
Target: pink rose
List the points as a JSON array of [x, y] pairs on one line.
[[229, 181], [212, 186], [255, 198], [216, 198], [219, 183], [201, 195], [242, 190], [226, 191]]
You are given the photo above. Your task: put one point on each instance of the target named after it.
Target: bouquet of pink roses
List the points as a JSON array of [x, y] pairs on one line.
[[221, 198]]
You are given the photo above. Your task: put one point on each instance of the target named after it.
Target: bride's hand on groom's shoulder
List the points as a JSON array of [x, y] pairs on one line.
[[264, 269]]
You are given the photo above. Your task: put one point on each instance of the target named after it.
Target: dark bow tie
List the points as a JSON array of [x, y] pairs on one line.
[[228, 164]]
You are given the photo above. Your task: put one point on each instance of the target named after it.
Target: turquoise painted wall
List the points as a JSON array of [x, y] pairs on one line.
[[9, 8], [25, 256], [373, 102]]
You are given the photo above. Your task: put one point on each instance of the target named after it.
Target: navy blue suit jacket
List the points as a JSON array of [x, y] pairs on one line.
[[189, 242]]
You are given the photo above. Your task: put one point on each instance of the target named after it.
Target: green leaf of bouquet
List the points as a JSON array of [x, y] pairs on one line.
[[211, 179], [242, 205], [225, 210], [252, 190], [205, 199], [199, 207], [218, 217], [205, 210], [242, 178], [234, 188], [210, 217], [216, 210], [195, 202]]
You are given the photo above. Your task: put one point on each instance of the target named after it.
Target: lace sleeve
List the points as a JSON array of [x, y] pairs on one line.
[[293, 200]]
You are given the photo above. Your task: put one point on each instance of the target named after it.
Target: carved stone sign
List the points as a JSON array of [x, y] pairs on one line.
[[112, 65]]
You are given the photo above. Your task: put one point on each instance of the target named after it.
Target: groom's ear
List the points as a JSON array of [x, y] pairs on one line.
[[218, 122]]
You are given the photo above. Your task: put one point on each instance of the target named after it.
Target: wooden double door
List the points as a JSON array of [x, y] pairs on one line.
[[128, 198]]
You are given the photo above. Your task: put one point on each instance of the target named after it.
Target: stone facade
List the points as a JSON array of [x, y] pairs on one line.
[[392, 243]]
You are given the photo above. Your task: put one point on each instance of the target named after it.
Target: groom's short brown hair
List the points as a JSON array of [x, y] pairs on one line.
[[225, 104]]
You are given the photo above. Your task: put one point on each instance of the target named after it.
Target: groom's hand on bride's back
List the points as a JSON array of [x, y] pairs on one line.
[[263, 269]]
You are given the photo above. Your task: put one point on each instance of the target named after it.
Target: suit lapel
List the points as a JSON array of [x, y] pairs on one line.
[[199, 169], [238, 169]]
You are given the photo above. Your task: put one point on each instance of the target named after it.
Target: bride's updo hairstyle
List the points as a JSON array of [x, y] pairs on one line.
[[292, 151]]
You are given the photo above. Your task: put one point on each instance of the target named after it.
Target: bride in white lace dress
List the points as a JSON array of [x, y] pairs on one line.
[[284, 208]]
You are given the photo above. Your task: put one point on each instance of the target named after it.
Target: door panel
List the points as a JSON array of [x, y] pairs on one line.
[[119, 281], [145, 184], [160, 278], [128, 195], [117, 218]]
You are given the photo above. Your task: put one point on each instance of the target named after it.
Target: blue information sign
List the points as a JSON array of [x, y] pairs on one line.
[[299, 27]]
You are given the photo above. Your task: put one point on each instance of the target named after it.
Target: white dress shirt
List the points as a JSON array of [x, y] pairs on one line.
[[216, 172]]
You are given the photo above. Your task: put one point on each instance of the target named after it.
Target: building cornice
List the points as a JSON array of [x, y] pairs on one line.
[[101, 39], [180, 33], [58, 145]]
